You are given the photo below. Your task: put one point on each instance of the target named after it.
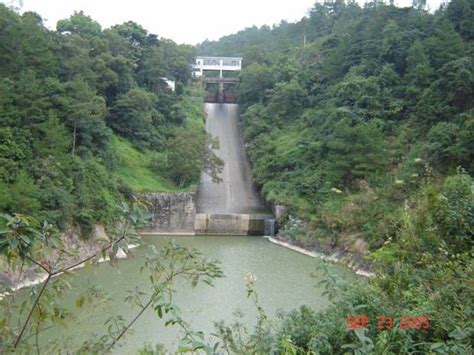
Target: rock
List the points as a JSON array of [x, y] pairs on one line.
[[281, 214], [100, 233], [361, 246]]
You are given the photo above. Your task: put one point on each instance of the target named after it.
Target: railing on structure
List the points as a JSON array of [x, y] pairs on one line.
[[218, 80]]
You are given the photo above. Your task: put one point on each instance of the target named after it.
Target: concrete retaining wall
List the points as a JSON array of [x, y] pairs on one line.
[[172, 212], [230, 224]]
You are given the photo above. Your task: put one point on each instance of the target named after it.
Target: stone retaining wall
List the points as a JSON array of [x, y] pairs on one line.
[[172, 212]]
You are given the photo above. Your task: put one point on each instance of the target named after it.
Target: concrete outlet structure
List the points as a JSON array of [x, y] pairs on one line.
[[230, 224]]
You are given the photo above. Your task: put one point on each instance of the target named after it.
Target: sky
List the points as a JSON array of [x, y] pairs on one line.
[[184, 21]]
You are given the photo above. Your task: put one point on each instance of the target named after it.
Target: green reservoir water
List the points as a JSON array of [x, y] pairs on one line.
[[284, 282]]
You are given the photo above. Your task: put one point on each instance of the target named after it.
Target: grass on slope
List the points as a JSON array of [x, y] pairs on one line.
[[133, 168], [192, 107]]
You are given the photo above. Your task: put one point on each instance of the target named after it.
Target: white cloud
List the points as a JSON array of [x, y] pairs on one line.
[[184, 21]]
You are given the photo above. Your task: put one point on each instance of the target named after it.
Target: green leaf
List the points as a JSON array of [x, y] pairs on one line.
[[159, 311], [185, 349], [437, 346], [80, 301]]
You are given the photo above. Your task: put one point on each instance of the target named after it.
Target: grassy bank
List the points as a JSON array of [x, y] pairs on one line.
[[133, 168]]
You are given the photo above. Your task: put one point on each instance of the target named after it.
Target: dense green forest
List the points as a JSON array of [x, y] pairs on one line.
[[360, 121], [86, 118]]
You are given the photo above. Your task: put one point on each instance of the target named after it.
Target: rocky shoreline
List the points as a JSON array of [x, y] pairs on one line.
[[40, 277], [12, 281], [339, 256]]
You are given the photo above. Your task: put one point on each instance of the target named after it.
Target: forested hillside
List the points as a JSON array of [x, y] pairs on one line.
[[366, 132], [86, 117], [347, 128]]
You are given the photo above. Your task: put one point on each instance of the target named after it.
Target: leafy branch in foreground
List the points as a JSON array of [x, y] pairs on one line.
[[25, 243], [20, 243], [237, 339], [163, 268]]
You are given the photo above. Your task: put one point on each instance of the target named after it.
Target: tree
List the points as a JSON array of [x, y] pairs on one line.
[[178, 59], [190, 153], [419, 4], [135, 36], [359, 94], [85, 116], [256, 79], [134, 116], [392, 50], [79, 24], [25, 43], [355, 151], [445, 45], [255, 54], [419, 71], [114, 76], [287, 100], [460, 13], [450, 94], [153, 68]]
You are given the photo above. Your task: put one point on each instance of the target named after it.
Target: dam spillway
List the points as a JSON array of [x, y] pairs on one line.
[[232, 206], [236, 193]]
